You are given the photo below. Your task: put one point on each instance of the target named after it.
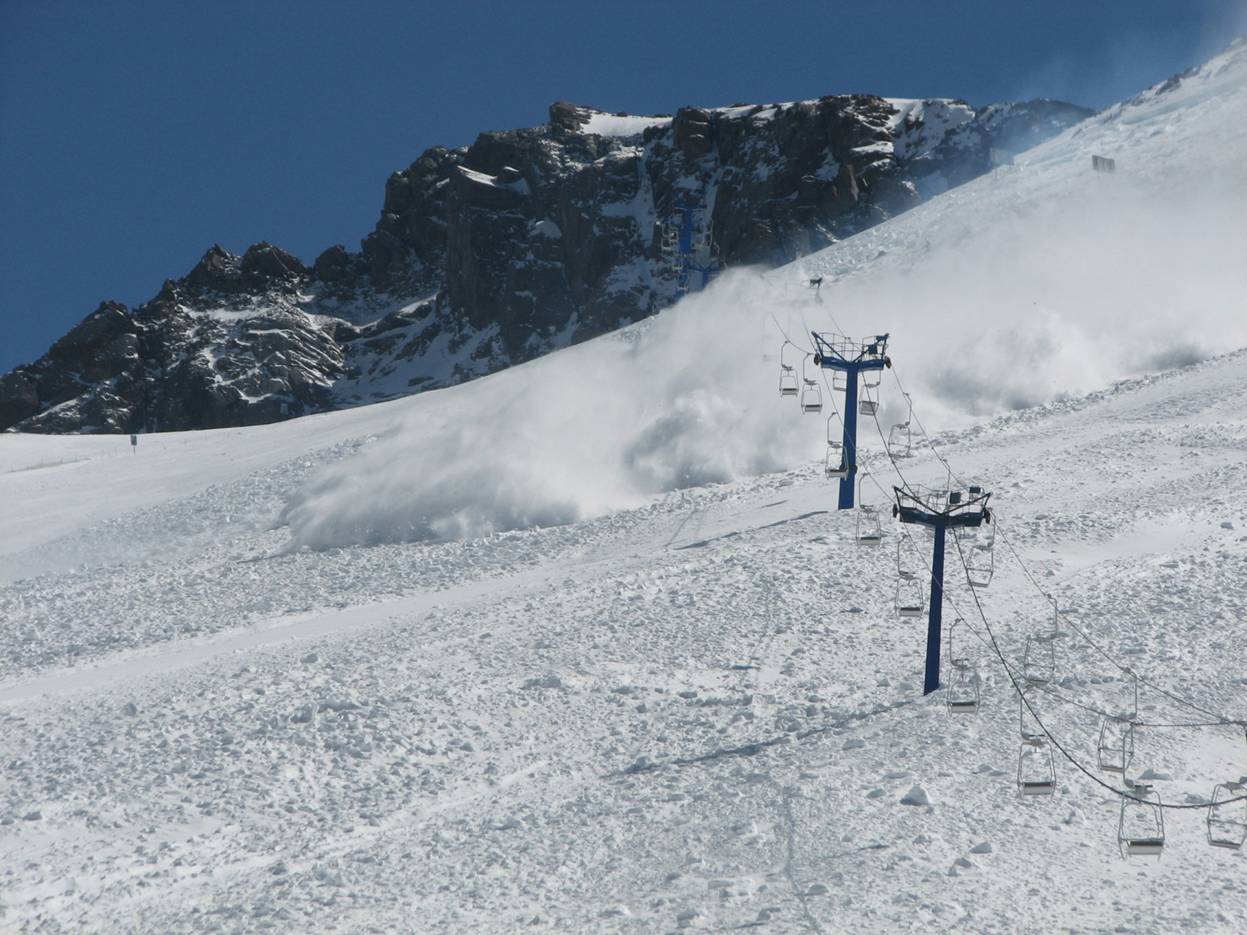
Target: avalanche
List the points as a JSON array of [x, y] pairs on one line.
[[584, 646]]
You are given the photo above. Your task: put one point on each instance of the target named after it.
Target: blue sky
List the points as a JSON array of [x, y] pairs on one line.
[[133, 135]]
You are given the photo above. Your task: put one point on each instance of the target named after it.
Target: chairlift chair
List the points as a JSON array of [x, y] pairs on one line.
[[1141, 823], [868, 404], [1227, 820], [787, 374], [1039, 660], [835, 468], [811, 395], [1115, 748], [1028, 727], [910, 598], [787, 381], [904, 569], [836, 465], [980, 557], [869, 525], [1057, 634], [1036, 768], [962, 693], [900, 437]]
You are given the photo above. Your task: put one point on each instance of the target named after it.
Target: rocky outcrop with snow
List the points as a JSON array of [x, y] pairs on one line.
[[484, 256]]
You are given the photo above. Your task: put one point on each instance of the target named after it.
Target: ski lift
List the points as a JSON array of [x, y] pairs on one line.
[[1115, 748], [836, 465], [1227, 821], [811, 395], [910, 599], [1036, 768], [953, 657], [962, 693], [1039, 659], [980, 557], [787, 374], [787, 381], [869, 525], [839, 380], [868, 405], [1028, 725], [1141, 824], [900, 438], [904, 568]]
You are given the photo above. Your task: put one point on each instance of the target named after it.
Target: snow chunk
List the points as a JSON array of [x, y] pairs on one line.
[[916, 796], [546, 681]]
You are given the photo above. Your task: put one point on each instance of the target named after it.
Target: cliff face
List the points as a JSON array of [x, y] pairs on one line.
[[523, 242]]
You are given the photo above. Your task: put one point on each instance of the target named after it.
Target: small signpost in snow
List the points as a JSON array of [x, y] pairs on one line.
[[134, 443], [1103, 164]]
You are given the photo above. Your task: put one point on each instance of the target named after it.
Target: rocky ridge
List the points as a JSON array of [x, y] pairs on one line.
[[492, 254]]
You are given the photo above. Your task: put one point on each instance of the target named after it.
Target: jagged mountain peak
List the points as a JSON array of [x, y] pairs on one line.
[[261, 266], [494, 253]]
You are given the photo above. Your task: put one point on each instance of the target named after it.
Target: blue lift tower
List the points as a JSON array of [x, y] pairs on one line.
[[939, 510], [690, 249], [847, 359]]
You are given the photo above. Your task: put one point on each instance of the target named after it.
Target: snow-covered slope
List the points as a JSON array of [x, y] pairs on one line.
[[702, 710], [689, 704]]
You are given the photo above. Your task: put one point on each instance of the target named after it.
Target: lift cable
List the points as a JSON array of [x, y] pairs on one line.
[[995, 647], [1048, 734], [1065, 699], [1219, 719]]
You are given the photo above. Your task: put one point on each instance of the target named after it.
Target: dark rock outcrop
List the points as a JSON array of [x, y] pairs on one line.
[[488, 255]]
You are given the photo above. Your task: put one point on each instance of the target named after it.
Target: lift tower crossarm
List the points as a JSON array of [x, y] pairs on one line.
[[836, 352], [686, 252], [940, 510]]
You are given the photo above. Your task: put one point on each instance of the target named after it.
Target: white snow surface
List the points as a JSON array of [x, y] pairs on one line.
[[624, 125], [583, 646]]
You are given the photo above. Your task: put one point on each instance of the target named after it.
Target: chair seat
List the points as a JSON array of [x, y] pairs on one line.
[[1038, 787]]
